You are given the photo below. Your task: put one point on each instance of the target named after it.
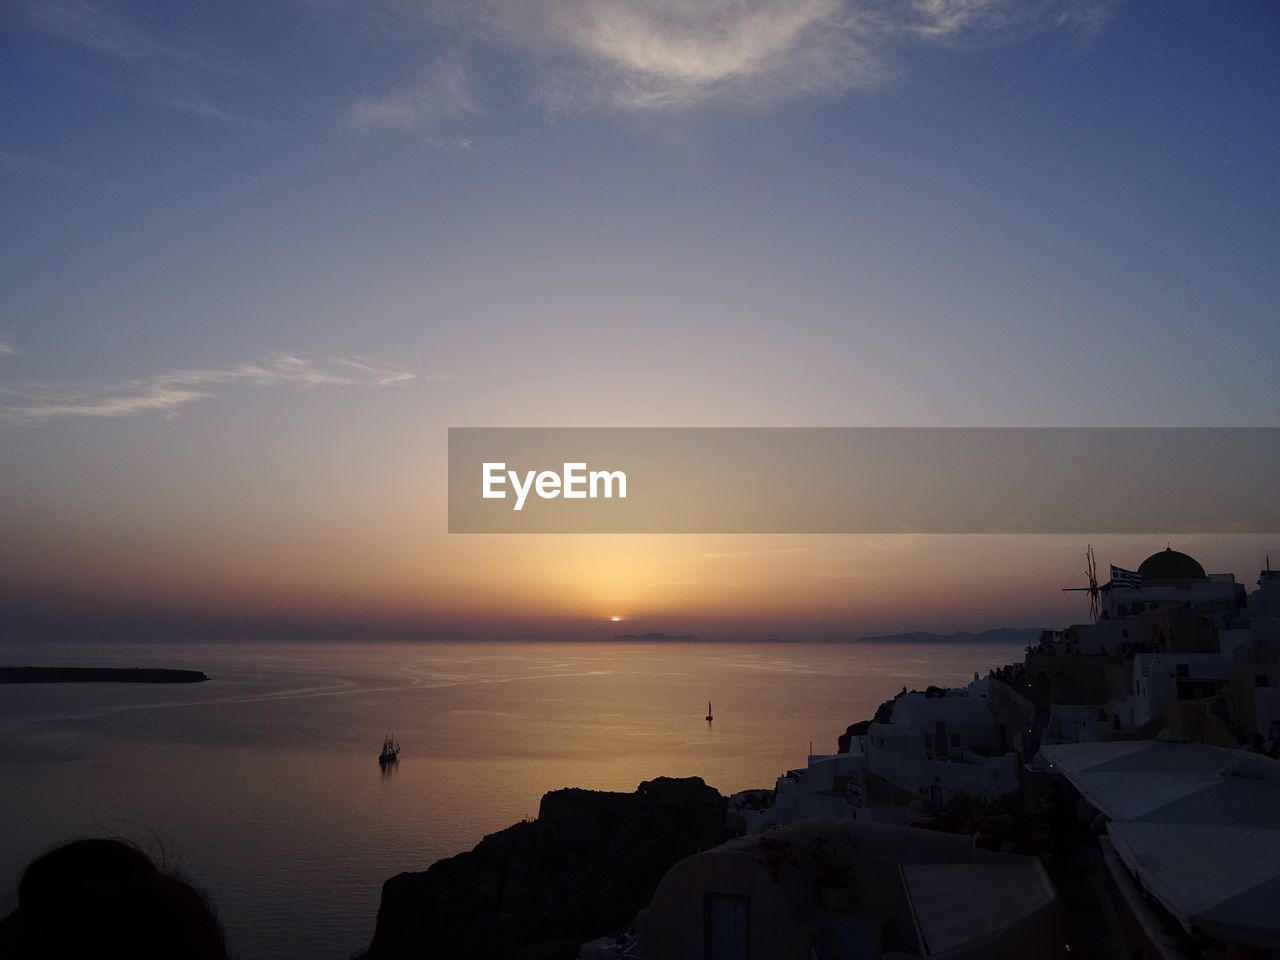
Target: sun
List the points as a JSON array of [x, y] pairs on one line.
[[615, 619]]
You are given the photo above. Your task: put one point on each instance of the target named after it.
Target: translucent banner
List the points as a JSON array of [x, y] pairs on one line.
[[864, 480]]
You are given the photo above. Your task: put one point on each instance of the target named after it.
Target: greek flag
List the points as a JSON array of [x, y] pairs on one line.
[[1120, 577]]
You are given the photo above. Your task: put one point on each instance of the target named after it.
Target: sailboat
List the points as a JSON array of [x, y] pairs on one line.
[[390, 750], [709, 717]]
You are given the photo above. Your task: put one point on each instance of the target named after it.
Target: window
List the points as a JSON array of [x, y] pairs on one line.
[[727, 927], [1261, 680], [1182, 671]]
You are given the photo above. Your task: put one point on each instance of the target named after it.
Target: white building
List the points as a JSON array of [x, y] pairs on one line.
[[1087, 723], [826, 787], [1163, 678], [1265, 601], [938, 746], [1104, 637], [1170, 577]]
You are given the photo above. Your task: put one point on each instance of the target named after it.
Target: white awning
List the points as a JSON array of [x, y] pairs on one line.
[[1199, 825], [957, 903], [1223, 880], [1172, 782]]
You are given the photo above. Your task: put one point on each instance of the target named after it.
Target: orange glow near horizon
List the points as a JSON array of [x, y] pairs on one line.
[[410, 583]]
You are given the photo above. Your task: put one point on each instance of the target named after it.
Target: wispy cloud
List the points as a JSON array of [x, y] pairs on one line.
[[659, 54], [7, 349], [1002, 21], [652, 55], [168, 392], [735, 554], [439, 94], [164, 68], [92, 26]]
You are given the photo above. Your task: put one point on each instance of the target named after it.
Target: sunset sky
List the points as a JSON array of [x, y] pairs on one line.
[[256, 257]]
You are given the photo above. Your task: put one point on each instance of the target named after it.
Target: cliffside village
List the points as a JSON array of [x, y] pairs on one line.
[[1116, 793]]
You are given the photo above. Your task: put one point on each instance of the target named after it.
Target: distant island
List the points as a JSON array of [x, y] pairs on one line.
[[654, 636], [1018, 635], [99, 675]]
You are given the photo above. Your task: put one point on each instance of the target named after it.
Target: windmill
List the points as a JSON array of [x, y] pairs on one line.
[[1091, 573]]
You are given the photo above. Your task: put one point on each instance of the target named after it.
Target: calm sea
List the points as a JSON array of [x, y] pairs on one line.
[[263, 786]]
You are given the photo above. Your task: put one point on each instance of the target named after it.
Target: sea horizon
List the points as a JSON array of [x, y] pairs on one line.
[[909, 636], [285, 735]]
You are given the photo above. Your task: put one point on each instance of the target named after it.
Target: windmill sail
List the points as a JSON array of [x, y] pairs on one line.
[[1091, 573]]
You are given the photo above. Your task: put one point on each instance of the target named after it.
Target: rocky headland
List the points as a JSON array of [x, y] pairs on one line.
[[538, 889]]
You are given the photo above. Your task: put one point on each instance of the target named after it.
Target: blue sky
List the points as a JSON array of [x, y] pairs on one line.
[[256, 257]]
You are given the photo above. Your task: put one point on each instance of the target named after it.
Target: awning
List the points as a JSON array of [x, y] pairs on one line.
[[958, 903], [1223, 880], [1199, 825], [1172, 782]]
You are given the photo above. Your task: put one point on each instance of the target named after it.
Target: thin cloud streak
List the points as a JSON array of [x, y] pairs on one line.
[[168, 392], [442, 93], [164, 67], [92, 27], [7, 350], [988, 22], [728, 554]]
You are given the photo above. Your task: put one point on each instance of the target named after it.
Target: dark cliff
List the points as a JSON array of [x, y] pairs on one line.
[[883, 713], [537, 890]]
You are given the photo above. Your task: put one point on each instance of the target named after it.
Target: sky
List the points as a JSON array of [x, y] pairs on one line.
[[257, 257]]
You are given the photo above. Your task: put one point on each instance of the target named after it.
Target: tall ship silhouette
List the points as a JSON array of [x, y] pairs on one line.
[[390, 750]]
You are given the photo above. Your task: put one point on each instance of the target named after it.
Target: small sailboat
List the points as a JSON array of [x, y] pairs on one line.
[[709, 717], [390, 750]]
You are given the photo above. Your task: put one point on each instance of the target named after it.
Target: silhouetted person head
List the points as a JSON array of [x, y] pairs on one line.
[[98, 899]]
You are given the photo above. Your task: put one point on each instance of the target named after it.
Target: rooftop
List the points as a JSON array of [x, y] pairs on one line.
[[1169, 564]]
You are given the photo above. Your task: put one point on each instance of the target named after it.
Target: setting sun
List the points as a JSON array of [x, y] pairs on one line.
[[615, 619]]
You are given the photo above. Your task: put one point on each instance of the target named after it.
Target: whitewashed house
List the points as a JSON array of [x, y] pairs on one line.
[[939, 745], [821, 789], [1160, 679]]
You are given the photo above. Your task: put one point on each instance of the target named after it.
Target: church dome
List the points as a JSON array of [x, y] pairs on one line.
[[1169, 564]]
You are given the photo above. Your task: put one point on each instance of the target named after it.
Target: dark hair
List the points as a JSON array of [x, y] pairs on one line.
[[105, 898]]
